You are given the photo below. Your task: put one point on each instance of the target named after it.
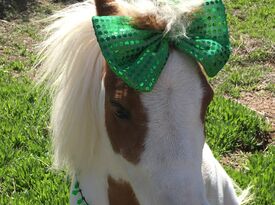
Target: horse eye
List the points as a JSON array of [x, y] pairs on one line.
[[120, 111]]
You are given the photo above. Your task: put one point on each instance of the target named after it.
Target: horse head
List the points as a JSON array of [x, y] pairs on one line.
[[125, 146]]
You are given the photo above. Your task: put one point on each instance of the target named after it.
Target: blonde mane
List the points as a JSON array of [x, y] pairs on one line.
[[71, 66]]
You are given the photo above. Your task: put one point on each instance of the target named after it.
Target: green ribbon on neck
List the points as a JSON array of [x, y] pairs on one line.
[[138, 56]]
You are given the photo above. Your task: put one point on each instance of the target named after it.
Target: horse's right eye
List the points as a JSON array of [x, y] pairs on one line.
[[119, 111]]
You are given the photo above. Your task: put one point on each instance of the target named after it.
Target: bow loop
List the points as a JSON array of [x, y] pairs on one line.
[[131, 52], [211, 54]]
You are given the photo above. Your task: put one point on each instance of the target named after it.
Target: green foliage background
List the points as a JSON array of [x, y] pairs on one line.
[[26, 176]]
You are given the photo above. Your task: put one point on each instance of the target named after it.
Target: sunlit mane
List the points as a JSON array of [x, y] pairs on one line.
[[71, 65]]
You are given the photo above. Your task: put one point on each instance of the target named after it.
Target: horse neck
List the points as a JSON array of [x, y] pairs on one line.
[[93, 180]]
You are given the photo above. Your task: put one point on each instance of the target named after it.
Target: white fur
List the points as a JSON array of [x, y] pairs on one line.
[[219, 186], [173, 148], [175, 13], [170, 168]]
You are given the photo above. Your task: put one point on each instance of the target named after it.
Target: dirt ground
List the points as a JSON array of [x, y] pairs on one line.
[[262, 102]]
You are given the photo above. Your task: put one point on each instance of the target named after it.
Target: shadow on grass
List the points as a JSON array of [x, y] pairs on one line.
[[22, 9]]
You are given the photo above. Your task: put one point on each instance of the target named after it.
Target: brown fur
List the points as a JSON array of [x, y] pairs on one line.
[[121, 193], [110, 7], [126, 136], [105, 7], [148, 22], [207, 94]]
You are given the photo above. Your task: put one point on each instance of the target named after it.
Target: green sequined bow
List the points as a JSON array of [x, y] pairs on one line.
[[138, 56]]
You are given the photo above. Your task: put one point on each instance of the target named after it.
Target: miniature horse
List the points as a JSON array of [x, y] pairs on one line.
[[121, 146]]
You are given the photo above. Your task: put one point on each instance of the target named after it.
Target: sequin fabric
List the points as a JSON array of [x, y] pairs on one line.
[[138, 56]]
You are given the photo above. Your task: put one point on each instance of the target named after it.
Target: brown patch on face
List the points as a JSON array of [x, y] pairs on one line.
[[125, 118], [105, 7], [207, 94], [148, 22], [121, 193]]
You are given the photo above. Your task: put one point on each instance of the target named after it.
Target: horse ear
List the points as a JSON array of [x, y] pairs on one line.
[[106, 7]]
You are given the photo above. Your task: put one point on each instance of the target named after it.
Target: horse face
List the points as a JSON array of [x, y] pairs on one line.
[[160, 134]]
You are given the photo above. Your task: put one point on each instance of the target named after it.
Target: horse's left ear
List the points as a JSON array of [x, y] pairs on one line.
[[106, 7]]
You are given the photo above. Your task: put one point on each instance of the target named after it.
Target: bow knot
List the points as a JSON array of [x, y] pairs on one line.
[[138, 56]]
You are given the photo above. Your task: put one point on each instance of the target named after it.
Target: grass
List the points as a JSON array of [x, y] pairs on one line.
[[231, 127], [238, 79], [252, 60], [259, 172], [254, 18], [26, 176]]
